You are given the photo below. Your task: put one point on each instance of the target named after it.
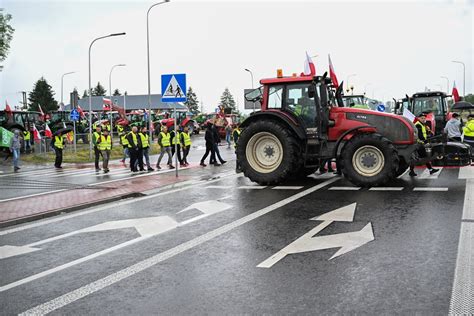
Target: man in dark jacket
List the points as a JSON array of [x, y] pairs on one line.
[[216, 141], [134, 147], [209, 137]]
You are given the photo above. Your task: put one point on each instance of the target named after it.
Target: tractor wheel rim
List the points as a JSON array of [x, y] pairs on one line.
[[264, 152], [368, 161]]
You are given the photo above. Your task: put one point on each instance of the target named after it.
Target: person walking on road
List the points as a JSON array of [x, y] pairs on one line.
[[421, 150], [209, 137], [468, 131], [105, 146], [15, 147], [453, 128], [58, 145], [164, 141], [176, 145], [146, 147], [235, 137], [186, 145], [134, 146], [217, 140], [228, 133], [27, 140], [124, 142], [95, 139]]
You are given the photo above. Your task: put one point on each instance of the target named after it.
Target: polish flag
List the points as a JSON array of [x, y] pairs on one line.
[[455, 93], [36, 134], [106, 104], [47, 131], [332, 73], [81, 112], [8, 109], [309, 68]]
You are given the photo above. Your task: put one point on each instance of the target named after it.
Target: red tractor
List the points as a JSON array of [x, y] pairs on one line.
[[300, 126]]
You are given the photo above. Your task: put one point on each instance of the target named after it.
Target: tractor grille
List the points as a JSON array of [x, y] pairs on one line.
[[390, 127]]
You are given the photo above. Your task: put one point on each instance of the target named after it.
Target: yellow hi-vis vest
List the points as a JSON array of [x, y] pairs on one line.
[[176, 137], [469, 128], [26, 135], [58, 142], [423, 129], [105, 143], [144, 137], [165, 139], [186, 138], [95, 137], [135, 140], [124, 139]]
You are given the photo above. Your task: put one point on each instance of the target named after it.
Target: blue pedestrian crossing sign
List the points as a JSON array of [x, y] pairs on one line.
[[74, 115], [173, 88], [381, 108]]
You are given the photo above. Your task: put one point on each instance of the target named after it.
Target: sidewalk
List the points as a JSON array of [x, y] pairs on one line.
[[53, 203]]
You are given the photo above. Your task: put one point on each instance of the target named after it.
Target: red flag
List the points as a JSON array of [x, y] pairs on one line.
[[36, 134], [332, 73], [106, 104], [309, 68], [47, 131], [8, 108], [455, 93], [81, 112]]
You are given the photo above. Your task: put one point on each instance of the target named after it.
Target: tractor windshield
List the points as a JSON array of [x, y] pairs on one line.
[[297, 100], [428, 104]]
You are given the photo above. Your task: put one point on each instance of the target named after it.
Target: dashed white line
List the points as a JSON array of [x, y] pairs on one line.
[[344, 188], [430, 189], [282, 187], [251, 187], [386, 189]]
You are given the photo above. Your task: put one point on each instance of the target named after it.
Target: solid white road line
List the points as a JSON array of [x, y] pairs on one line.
[[462, 296], [344, 188], [282, 187], [105, 207], [113, 278], [251, 187], [386, 189], [218, 187], [426, 174], [430, 189], [466, 172]]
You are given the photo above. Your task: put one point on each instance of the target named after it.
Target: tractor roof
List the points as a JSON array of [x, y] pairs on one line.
[[429, 94], [286, 79]]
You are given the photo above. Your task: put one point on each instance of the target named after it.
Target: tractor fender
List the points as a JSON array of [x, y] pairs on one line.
[[277, 117], [349, 131]]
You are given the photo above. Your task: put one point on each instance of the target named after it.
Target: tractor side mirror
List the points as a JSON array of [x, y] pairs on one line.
[[311, 90], [324, 95]]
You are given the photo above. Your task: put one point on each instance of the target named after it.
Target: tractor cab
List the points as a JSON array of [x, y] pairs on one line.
[[436, 105]]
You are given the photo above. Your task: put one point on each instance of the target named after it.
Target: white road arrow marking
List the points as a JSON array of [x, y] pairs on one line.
[[207, 207], [346, 241]]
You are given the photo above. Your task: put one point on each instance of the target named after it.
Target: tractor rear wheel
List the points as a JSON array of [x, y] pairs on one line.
[[369, 160], [267, 152]]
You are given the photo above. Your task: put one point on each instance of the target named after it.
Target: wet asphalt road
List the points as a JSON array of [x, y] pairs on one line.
[[199, 249]]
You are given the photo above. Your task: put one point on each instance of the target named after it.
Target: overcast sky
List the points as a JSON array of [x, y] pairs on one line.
[[394, 48]]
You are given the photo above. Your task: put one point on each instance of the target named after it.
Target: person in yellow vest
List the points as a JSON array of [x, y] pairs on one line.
[[235, 137], [124, 142], [185, 145], [423, 134], [95, 140], [27, 140], [164, 141], [105, 146], [468, 131], [146, 147], [176, 145], [58, 145], [134, 148]]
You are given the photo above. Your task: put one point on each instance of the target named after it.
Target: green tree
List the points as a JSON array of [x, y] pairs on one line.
[[116, 92], [42, 94], [227, 100], [469, 98], [98, 90], [192, 102], [85, 94], [6, 35]]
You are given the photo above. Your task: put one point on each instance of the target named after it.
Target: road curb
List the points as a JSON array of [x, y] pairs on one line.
[[76, 207]]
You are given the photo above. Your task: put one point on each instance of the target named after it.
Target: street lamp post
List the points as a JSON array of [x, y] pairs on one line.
[[110, 93], [447, 83], [90, 89], [251, 78], [347, 81], [463, 77], [62, 79], [148, 62]]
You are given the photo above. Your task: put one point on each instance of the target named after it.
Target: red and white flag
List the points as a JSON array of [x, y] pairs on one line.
[[81, 112], [309, 68], [36, 133], [106, 104], [47, 131], [332, 73], [455, 93]]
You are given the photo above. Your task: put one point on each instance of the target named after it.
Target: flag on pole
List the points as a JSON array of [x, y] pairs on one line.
[[8, 109], [106, 104], [332, 73], [81, 112], [407, 113], [5, 137], [36, 133], [41, 110], [47, 131], [455, 93], [309, 68]]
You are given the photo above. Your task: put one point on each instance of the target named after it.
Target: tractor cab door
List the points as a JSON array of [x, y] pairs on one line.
[[298, 102]]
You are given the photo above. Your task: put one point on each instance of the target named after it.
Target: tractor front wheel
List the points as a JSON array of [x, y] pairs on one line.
[[369, 160]]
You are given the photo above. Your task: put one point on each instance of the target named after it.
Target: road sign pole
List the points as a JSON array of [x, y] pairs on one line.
[[177, 139], [74, 136]]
